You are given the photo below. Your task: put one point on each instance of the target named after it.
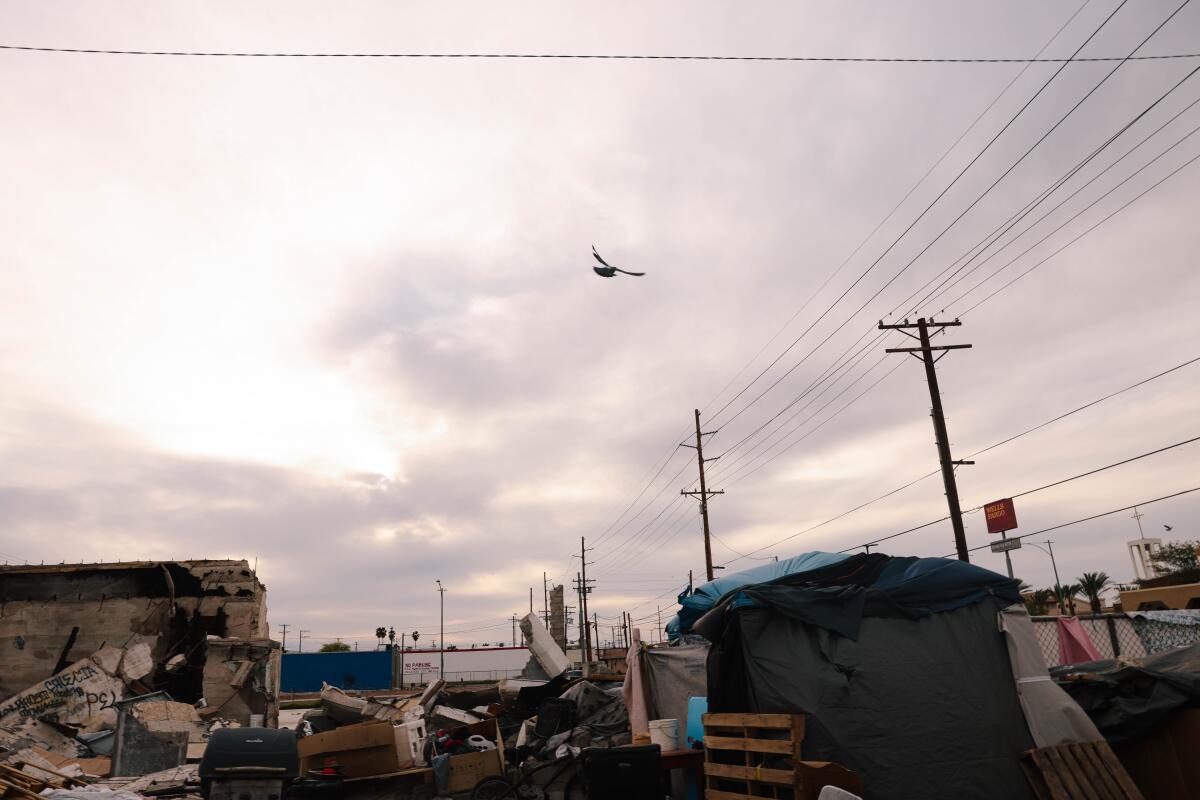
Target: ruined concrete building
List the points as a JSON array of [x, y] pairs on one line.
[[205, 623]]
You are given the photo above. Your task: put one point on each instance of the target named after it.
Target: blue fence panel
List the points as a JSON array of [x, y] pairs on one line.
[[305, 672]]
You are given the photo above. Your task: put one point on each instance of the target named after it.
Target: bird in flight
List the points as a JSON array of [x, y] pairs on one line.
[[1169, 528], [608, 270]]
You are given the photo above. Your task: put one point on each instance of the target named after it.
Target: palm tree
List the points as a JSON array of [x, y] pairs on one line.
[[1092, 584], [1065, 595], [1038, 601]]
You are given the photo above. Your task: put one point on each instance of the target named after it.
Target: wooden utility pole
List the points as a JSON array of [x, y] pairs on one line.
[[283, 625], [584, 589], [939, 418], [704, 493], [545, 602]]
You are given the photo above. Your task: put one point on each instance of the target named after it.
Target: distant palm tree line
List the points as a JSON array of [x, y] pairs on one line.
[[1090, 585]]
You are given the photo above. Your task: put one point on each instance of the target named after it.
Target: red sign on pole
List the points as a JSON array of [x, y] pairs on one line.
[[1001, 516]]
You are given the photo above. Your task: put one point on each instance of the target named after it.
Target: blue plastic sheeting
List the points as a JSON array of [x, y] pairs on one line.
[[835, 591], [706, 596], [305, 672]]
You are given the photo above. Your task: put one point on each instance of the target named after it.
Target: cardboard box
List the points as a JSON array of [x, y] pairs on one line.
[[468, 769], [368, 749]]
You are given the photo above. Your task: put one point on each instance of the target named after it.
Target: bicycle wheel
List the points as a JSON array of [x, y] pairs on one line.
[[493, 788]]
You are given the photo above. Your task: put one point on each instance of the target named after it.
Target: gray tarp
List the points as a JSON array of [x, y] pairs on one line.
[[920, 708], [1053, 717], [674, 675]]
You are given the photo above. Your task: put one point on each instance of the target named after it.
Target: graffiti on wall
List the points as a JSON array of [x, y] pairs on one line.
[[79, 692]]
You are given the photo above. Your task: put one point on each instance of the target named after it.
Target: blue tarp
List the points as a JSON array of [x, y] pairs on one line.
[[705, 596], [835, 591]]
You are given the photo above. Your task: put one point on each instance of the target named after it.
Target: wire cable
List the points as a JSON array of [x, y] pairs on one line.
[[1094, 516], [595, 56], [924, 212], [990, 447]]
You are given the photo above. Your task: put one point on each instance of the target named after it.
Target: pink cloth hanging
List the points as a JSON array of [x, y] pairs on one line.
[[634, 690], [1074, 644]]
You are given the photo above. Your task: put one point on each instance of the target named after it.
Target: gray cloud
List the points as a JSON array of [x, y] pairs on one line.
[[219, 243]]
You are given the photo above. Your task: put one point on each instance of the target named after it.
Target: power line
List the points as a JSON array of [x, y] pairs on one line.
[[1012, 221], [1016, 218], [920, 181], [1098, 516], [1028, 492], [1126, 205], [925, 211], [993, 446], [1132, 56], [601, 56], [609, 532]]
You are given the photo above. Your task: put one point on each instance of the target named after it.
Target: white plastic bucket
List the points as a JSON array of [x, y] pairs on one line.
[[665, 733]]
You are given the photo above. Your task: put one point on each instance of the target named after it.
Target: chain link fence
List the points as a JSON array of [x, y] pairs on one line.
[[1117, 635]]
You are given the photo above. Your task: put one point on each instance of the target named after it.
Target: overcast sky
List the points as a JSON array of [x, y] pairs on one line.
[[338, 315]]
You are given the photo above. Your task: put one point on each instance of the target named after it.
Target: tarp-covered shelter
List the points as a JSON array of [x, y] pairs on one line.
[[1131, 699], [900, 667]]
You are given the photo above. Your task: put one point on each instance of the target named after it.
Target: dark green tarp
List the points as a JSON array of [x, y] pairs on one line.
[[902, 673]]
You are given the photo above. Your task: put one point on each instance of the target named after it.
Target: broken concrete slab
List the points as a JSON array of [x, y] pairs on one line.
[[137, 662], [57, 739], [139, 749], [108, 658], [548, 654], [167, 715], [164, 781], [79, 693]]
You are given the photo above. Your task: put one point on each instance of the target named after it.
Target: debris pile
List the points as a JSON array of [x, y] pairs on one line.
[[450, 739], [117, 674]]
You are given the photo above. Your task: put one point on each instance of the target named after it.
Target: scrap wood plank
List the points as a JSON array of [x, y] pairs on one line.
[[737, 772], [1081, 771], [753, 745], [782, 721], [1088, 763]]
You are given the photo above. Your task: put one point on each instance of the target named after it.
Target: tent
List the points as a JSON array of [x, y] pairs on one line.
[[901, 668]]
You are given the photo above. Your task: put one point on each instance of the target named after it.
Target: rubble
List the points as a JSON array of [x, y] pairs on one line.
[[545, 650], [77, 694]]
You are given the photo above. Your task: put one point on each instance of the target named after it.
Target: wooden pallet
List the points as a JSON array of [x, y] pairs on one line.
[[751, 756], [1088, 771]]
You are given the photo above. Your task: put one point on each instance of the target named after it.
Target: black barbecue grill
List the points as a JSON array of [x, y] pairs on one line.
[[249, 764]]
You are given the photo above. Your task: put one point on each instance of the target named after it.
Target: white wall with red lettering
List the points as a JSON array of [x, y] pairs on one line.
[[479, 663]]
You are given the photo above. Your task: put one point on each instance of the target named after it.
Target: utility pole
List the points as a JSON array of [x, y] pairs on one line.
[[300, 647], [514, 622], [441, 631], [660, 632], [545, 602], [704, 493], [939, 418], [285, 627], [530, 599], [582, 619], [584, 589]]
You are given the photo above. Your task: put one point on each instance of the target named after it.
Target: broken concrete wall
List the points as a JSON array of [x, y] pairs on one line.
[[52, 615], [558, 621], [241, 678]]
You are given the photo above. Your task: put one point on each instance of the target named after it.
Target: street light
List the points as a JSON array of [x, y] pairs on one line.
[[442, 630], [1050, 552]]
